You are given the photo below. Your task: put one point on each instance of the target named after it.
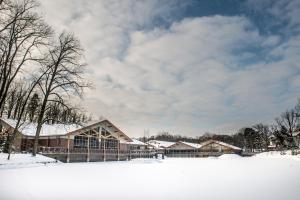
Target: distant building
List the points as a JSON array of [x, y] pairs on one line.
[[183, 149], [133, 145], [207, 148], [138, 149], [272, 143], [184, 145], [218, 146], [159, 145]]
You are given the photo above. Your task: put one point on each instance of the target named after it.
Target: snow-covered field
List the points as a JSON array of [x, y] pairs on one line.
[[227, 177], [23, 160]]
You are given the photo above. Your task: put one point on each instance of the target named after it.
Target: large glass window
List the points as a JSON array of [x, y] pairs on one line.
[[109, 143], [80, 142], [94, 143], [104, 132]]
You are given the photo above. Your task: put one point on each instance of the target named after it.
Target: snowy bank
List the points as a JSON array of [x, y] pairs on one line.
[[23, 160], [278, 154], [229, 156]]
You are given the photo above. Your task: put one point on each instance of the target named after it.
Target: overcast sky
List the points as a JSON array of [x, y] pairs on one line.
[[186, 67]]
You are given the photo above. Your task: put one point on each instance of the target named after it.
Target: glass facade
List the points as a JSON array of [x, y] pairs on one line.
[[82, 142]]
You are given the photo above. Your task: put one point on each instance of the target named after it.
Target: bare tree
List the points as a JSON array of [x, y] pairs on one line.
[[63, 79], [20, 96], [288, 120], [11, 99], [297, 110], [32, 107], [264, 133], [35, 81], [19, 111], [22, 33]]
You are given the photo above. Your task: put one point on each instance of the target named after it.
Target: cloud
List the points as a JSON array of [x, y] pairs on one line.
[[157, 72], [280, 13]]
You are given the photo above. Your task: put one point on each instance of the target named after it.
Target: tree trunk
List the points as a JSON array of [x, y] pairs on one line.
[[36, 139], [12, 139], [39, 126]]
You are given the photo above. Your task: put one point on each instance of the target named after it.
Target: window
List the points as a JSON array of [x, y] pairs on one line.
[[104, 132], [109, 144], [94, 143], [80, 142]]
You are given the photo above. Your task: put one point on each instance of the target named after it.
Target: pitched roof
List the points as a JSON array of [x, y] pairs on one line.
[[220, 143], [95, 123], [158, 144], [194, 145], [29, 129], [189, 144], [134, 142]]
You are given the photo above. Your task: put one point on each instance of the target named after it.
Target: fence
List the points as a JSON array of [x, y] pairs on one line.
[[93, 155]]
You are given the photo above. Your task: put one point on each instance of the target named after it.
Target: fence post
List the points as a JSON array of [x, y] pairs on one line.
[[104, 150], [118, 150], [68, 156], [88, 149]]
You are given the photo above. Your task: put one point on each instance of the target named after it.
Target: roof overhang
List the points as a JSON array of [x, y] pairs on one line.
[[117, 131]]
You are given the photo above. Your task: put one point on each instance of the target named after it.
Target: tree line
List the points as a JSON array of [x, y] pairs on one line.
[[40, 70], [55, 114], [256, 137]]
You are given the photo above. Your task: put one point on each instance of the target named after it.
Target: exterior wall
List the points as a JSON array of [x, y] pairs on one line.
[[4, 130], [47, 142], [124, 147], [127, 147], [17, 143], [137, 147], [26, 144], [71, 142]]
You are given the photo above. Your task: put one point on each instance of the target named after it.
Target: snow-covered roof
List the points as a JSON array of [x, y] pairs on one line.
[[158, 144], [134, 142], [194, 145], [29, 129], [220, 143]]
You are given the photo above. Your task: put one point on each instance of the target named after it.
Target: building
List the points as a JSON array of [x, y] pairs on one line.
[[95, 141], [183, 149], [101, 141], [134, 144], [207, 148], [158, 144], [138, 149], [272, 143], [214, 146]]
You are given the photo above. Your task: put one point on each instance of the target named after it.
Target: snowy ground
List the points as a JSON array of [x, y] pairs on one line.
[[23, 160], [227, 177]]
